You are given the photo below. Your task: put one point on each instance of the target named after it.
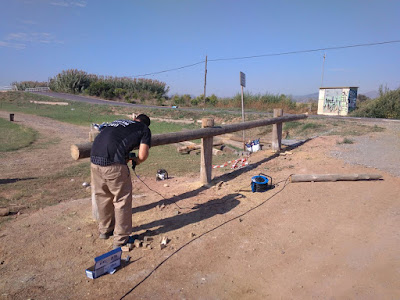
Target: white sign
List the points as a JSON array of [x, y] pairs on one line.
[[242, 79]]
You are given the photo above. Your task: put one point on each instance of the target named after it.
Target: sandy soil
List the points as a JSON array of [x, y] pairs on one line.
[[334, 240]]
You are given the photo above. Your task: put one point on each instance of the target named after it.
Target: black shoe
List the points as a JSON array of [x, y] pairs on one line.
[[105, 236], [129, 243]]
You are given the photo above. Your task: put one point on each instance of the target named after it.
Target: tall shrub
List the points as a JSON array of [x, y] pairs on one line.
[[71, 81], [386, 106]]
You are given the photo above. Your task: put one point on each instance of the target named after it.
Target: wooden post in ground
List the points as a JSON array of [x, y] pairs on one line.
[[95, 209], [206, 153], [277, 131]]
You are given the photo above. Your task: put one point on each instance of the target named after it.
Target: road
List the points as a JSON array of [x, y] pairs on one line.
[[86, 99]]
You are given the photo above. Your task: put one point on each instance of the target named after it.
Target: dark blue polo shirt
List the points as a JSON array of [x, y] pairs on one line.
[[116, 140]]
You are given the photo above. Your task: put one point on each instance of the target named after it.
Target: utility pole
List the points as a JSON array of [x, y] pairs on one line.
[[243, 84], [205, 82], [322, 79]]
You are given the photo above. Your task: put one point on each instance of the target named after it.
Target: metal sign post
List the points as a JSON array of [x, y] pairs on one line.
[[243, 84]]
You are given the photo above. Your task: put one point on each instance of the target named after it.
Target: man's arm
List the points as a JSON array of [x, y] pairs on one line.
[[143, 154]]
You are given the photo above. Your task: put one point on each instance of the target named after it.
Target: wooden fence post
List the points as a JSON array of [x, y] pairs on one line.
[[206, 153], [277, 131], [95, 209]]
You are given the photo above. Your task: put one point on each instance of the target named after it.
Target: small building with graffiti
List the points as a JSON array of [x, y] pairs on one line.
[[337, 101]]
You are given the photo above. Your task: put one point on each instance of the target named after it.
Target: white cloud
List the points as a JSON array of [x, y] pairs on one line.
[[17, 46], [20, 40], [33, 37], [79, 3], [69, 3]]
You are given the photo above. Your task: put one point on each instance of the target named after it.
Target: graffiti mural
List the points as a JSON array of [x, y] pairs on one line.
[[333, 101], [352, 99], [337, 101]]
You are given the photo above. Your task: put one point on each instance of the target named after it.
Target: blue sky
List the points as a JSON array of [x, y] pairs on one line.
[[40, 38]]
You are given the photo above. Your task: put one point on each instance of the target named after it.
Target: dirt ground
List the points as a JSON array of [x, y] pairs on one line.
[[332, 240]]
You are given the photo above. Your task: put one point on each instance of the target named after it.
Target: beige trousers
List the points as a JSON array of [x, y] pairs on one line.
[[113, 190]]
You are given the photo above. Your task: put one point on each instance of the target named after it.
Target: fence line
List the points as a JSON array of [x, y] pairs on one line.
[[79, 151], [8, 88], [38, 89]]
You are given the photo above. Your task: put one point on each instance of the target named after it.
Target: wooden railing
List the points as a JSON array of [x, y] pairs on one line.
[[38, 89], [8, 88], [79, 151]]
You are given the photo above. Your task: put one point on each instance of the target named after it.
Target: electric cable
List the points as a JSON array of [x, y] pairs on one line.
[[306, 51], [203, 234], [272, 54], [169, 70], [158, 192]]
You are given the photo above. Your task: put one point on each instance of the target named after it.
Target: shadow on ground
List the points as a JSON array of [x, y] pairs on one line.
[[199, 213], [225, 177], [13, 180]]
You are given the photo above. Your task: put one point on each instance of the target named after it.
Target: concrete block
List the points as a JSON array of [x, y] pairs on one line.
[[137, 243], [125, 249]]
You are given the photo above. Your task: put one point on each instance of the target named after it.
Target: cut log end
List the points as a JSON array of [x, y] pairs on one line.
[[79, 151]]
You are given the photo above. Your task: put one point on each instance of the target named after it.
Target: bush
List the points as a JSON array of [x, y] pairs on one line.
[[212, 100], [101, 89], [265, 101], [71, 81], [119, 92], [74, 81], [194, 101], [386, 106]]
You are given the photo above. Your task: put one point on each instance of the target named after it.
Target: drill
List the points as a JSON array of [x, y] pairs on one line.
[[131, 156]]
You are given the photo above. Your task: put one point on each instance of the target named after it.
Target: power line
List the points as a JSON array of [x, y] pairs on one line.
[[306, 51], [273, 54], [174, 69]]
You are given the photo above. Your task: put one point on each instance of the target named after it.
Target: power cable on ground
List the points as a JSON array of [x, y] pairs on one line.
[[203, 234], [159, 193]]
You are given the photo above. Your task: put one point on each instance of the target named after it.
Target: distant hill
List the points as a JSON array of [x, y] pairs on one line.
[[306, 98], [371, 94], [314, 96]]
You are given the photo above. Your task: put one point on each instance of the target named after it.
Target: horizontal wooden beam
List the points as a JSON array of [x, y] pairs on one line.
[[79, 151], [176, 137], [333, 177]]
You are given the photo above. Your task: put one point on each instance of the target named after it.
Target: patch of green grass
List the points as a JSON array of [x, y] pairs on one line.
[[311, 126], [346, 141], [81, 170], [14, 136], [291, 125], [80, 113], [47, 190], [43, 144], [377, 128], [75, 112], [167, 157], [165, 127]]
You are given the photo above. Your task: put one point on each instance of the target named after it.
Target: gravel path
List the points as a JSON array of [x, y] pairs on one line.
[[380, 150]]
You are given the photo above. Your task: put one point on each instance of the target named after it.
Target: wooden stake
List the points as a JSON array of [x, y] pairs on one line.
[[206, 153], [277, 131]]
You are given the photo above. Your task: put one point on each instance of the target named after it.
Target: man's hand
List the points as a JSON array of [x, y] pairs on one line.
[[133, 164], [132, 156]]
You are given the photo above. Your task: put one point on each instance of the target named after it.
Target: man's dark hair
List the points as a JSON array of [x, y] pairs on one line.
[[144, 119]]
